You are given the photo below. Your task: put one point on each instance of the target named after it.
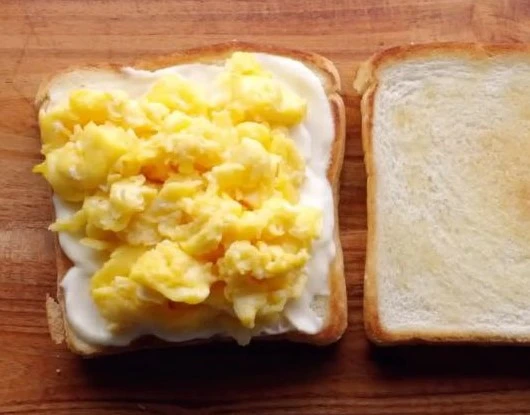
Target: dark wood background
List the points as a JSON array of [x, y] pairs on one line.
[[42, 36]]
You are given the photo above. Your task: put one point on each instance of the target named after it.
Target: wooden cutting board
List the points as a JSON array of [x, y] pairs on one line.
[[43, 36]]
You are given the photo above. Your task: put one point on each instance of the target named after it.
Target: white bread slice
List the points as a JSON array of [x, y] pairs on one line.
[[335, 311], [446, 136]]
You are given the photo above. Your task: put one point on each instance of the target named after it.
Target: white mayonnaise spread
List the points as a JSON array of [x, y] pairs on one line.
[[313, 138]]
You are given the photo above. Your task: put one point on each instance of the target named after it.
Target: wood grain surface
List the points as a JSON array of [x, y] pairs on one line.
[[39, 37]]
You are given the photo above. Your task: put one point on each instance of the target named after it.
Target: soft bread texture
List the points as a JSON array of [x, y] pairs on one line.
[[446, 136], [335, 309]]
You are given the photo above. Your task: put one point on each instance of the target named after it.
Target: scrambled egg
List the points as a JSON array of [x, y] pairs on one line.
[[193, 197]]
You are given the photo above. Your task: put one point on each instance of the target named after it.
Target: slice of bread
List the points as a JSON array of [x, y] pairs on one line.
[[446, 136], [335, 311]]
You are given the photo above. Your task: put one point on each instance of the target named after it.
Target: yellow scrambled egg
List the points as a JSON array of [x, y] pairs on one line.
[[193, 197]]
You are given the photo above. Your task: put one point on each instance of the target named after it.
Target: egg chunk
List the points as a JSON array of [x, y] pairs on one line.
[[192, 196]]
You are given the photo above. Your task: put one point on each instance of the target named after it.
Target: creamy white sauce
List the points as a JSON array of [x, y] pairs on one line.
[[313, 138]]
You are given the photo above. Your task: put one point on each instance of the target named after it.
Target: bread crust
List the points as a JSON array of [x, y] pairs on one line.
[[366, 83], [337, 314]]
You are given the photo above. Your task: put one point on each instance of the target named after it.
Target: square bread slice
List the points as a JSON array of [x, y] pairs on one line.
[[446, 136], [334, 311]]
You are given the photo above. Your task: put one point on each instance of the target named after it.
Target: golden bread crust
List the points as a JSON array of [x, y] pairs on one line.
[[337, 314]]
